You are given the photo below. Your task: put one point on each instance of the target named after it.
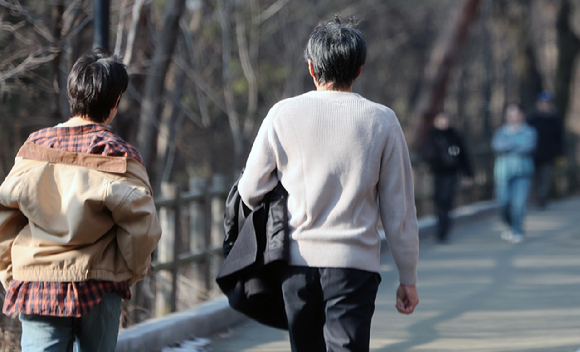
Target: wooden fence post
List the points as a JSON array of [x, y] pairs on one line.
[[218, 188], [208, 280], [197, 244], [176, 248], [165, 250]]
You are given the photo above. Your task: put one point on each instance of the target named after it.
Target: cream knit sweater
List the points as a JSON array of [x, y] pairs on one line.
[[344, 162]]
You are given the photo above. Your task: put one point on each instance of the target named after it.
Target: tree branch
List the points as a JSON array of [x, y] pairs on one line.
[[247, 68], [437, 72], [188, 40], [120, 28], [29, 63], [131, 35], [200, 83], [14, 30], [271, 11], [18, 9]]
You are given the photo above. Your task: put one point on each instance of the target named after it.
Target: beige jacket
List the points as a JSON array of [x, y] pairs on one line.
[[71, 217]]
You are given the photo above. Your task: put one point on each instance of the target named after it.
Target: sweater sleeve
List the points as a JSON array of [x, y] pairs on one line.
[[259, 175], [397, 206]]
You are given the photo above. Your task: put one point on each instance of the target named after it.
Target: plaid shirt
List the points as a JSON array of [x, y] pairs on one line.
[[69, 299]]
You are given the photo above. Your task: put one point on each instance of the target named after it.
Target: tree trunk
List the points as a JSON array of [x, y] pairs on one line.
[[488, 64], [136, 17], [120, 28], [171, 119], [224, 8], [568, 47], [248, 58], [443, 57], [57, 19], [154, 86], [531, 83]]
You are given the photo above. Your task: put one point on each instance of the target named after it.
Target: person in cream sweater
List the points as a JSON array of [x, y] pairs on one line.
[[345, 164]]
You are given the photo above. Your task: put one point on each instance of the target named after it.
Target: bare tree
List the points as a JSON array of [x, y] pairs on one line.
[[57, 21], [154, 85], [248, 59], [443, 57], [137, 8], [224, 9], [171, 119], [569, 47]]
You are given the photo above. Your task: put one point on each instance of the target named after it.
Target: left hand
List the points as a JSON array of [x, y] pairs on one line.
[[407, 299]]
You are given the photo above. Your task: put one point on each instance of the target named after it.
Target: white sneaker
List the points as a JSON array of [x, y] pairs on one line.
[[507, 235], [516, 238]]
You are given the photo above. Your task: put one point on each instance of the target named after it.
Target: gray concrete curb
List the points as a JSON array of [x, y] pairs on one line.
[[202, 321], [216, 315]]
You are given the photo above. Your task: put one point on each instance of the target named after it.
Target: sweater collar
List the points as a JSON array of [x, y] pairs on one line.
[[332, 94]]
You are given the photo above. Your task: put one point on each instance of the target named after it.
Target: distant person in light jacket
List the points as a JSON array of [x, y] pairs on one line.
[[345, 163], [514, 143]]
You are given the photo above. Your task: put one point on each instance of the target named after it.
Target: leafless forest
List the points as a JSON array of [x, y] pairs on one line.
[[205, 72]]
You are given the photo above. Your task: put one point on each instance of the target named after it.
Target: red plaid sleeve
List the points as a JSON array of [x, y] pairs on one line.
[[59, 299]]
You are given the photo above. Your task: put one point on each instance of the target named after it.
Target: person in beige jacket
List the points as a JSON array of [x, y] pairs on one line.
[[77, 220]]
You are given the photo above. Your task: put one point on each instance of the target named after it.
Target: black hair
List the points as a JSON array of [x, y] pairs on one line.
[[337, 51], [94, 85]]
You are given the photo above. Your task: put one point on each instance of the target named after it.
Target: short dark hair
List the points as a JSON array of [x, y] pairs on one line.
[[94, 84], [337, 51]]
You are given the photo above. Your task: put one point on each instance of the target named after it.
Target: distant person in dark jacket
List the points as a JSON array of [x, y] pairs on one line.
[[447, 156], [549, 145]]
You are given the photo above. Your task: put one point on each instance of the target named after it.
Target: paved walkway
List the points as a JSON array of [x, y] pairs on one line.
[[478, 294]]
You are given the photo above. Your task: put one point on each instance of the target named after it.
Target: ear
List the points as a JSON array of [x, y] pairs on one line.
[[311, 68], [359, 71], [117, 103]]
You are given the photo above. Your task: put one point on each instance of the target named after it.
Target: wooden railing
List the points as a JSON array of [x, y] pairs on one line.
[[192, 225]]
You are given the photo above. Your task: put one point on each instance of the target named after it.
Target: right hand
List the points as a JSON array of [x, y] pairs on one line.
[[407, 299]]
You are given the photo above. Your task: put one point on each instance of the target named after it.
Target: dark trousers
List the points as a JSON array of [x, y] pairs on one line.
[[329, 309], [543, 180], [444, 192]]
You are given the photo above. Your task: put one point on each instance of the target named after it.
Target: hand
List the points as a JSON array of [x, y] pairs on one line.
[[407, 299]]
